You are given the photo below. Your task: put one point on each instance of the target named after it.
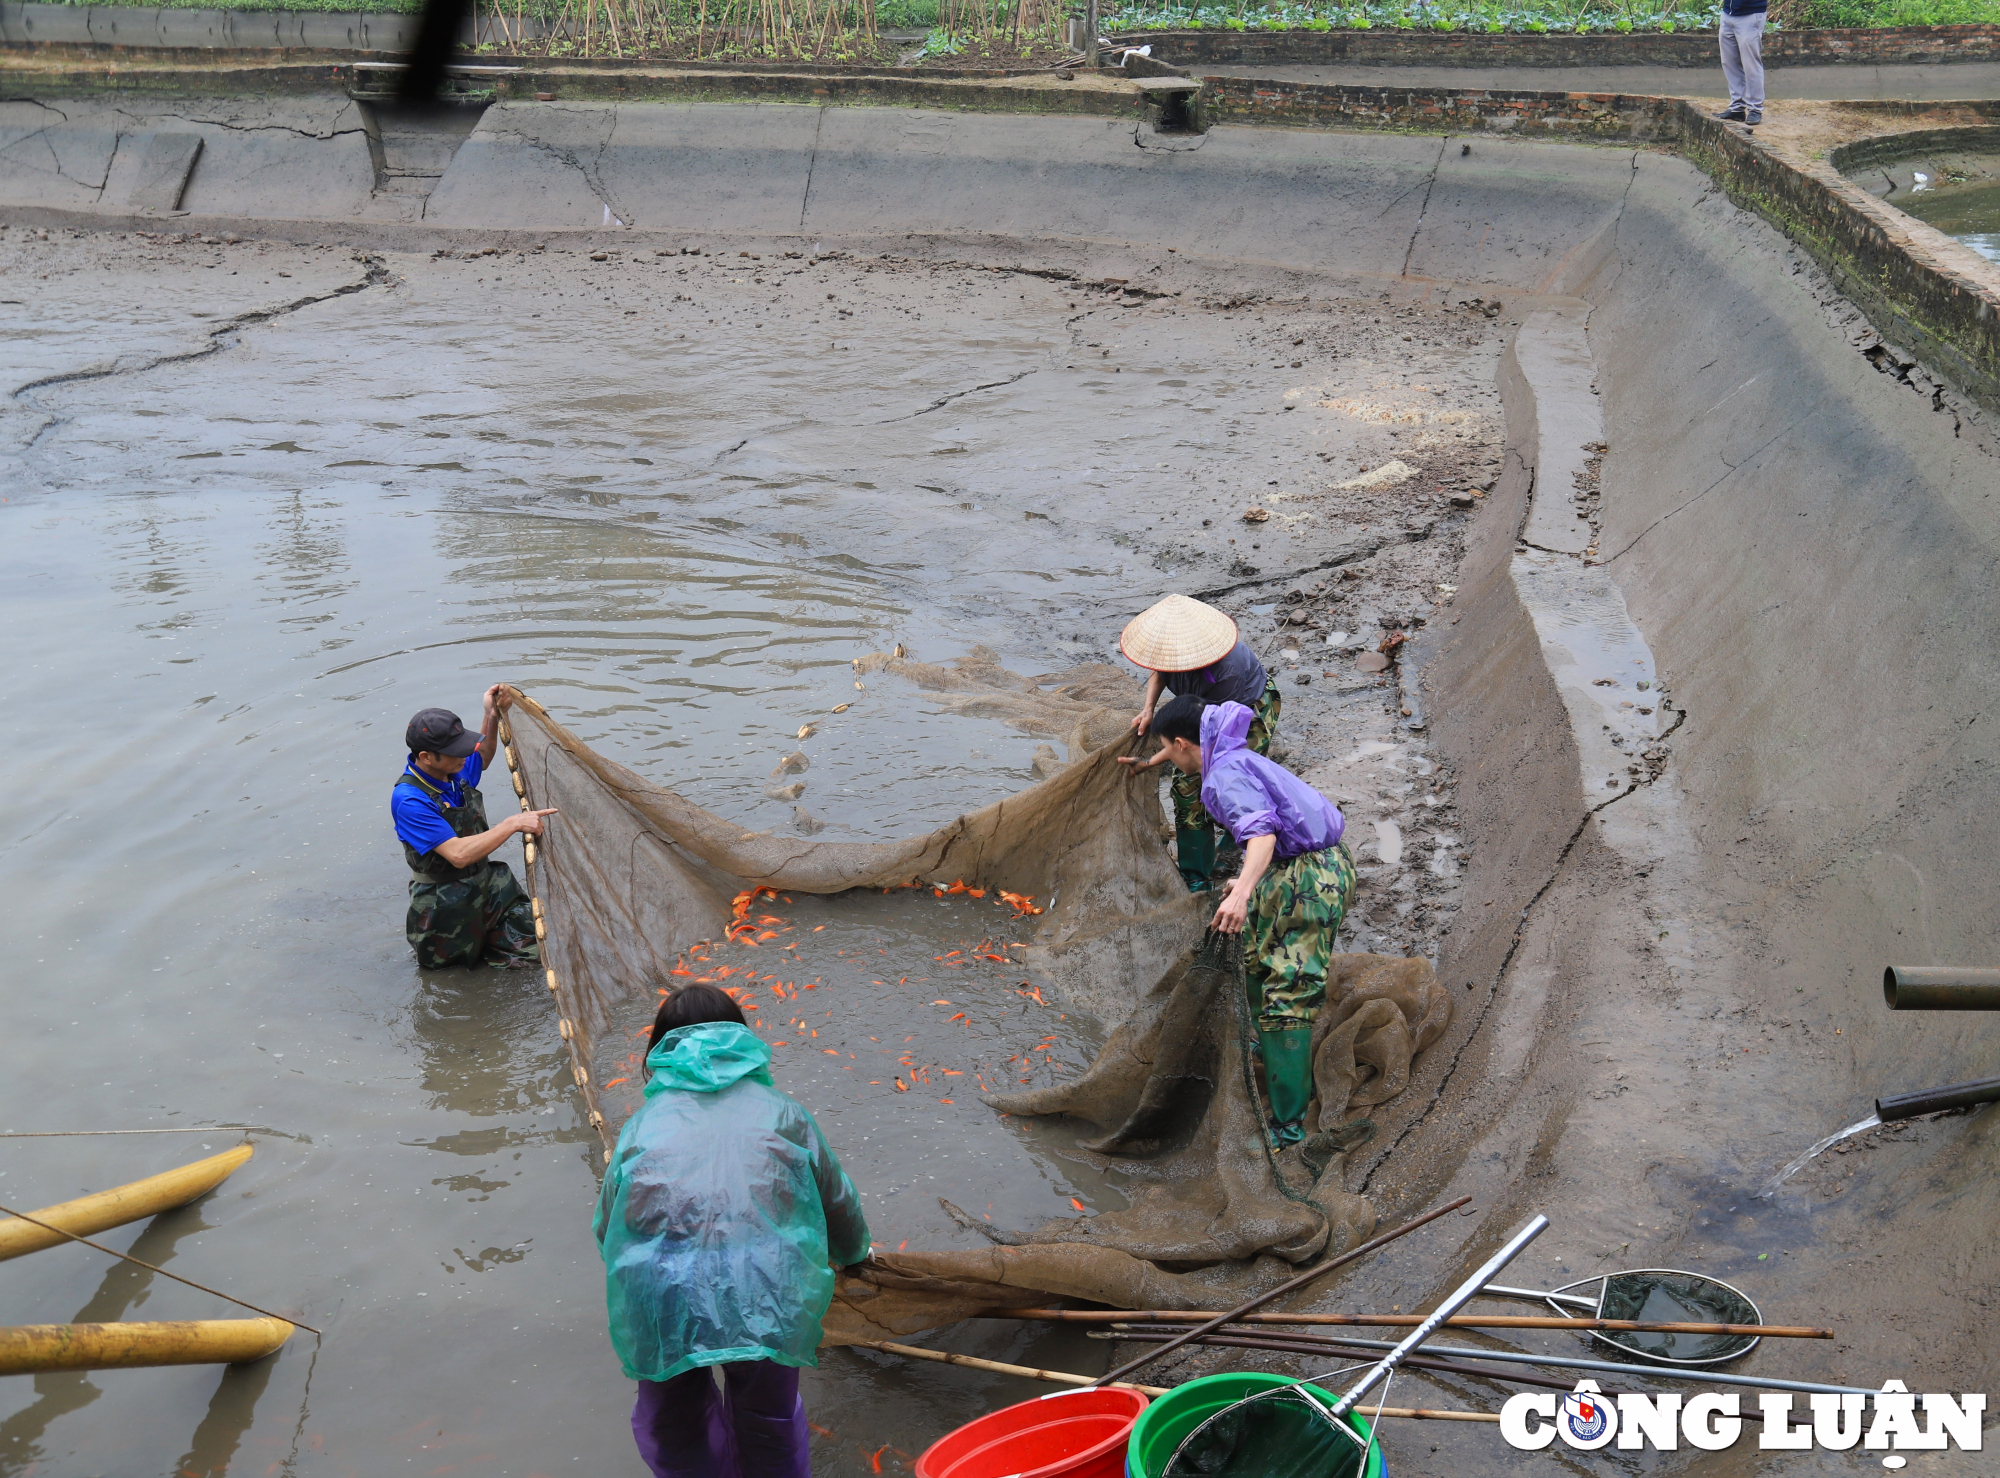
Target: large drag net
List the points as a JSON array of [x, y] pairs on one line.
[[636, 877]]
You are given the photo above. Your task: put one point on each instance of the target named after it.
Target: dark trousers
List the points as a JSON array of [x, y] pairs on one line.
[[754, 1426]]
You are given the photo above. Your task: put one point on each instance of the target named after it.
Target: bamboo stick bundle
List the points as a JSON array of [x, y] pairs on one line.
[[1400, 1321]]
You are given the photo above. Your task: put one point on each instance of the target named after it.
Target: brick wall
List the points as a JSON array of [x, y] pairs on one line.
[[1911, 280], [1610, 116]]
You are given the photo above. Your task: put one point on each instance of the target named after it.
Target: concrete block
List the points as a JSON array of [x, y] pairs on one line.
[[151, 169]]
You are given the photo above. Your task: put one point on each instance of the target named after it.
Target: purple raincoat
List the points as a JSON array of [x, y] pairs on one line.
[[1253, 797]]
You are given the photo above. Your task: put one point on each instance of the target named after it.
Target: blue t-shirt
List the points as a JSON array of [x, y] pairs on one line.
[[418, 819], [1238, 678]]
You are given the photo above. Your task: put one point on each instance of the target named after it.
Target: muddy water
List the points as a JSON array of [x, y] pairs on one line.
[[1971, 213], [672, 498]]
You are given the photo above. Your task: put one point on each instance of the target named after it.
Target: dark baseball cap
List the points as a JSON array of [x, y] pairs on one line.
[[438, 731]]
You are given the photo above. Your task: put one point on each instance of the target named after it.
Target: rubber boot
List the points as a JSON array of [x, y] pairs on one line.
[[1288, 1078], [1195, 853]]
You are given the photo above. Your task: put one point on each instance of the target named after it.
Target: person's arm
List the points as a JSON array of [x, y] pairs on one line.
[[1154, 683], [1235, 910], [846, 1227], [607, 1198], [464, 851], [489, 726]]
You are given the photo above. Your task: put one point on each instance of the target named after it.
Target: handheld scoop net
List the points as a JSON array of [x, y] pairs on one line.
[[1289, 1431], [1657, 1296]]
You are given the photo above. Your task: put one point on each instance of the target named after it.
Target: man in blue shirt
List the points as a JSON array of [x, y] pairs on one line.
[[465, 906]]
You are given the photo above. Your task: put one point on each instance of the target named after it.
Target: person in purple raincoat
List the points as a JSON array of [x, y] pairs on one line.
[[1295, 888]]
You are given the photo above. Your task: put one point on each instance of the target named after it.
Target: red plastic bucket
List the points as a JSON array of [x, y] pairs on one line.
[[1070, 1434]]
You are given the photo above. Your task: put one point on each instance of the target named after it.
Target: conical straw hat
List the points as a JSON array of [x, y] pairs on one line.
[[1178, 635]]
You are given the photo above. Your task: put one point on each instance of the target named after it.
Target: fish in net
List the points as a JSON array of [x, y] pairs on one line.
[[635, 877]]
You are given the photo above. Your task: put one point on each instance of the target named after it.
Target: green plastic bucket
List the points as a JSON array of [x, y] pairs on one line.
[[1162, 1426]]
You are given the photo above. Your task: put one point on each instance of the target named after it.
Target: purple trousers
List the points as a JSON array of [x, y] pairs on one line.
[[753, 1426]]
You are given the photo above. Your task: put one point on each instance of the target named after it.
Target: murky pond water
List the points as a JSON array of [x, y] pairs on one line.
[[1958, 193], [673, 501], [1971, 213]]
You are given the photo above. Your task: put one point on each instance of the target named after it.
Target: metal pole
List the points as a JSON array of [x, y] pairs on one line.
[[1940, 988], [1936, 1100], [1706, 1377], [1460, 1297]]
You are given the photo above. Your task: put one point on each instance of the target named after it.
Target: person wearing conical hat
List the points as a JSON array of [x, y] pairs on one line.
[[1192, 648]]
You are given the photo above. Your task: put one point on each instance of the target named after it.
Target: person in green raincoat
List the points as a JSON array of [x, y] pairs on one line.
[[723, 1215], [465, 905]]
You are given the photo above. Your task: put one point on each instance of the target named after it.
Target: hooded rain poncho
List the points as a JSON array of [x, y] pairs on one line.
[[1252, 796], [722, 1212]]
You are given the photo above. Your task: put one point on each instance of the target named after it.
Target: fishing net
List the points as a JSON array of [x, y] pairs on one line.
[[1663, 1296], [635, 877], [1287, 1432]]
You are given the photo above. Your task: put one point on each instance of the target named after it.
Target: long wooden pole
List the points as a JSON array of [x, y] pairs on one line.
[[1064, 1378], [1401, 1321], [121, 1204], [30, 1349], [1290, 1285]]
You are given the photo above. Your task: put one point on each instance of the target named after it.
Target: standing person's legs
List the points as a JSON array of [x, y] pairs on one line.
[[1194, 832], [510, 938], [769, 1417], [682, 1427], [1750, 56], [446, 922], [1295, 916], [1732, 61]]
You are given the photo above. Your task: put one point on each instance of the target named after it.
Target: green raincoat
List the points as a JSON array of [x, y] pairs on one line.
[[723, 1214]]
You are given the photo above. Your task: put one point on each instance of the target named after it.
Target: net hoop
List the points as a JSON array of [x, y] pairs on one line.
[[1301, 1386], [1610, 1337]]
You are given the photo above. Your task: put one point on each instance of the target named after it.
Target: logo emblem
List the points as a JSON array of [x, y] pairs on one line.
[[1586, 1420]]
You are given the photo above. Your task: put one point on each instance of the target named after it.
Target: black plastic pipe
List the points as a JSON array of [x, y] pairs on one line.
[[1937, 1100], [1940, 988]]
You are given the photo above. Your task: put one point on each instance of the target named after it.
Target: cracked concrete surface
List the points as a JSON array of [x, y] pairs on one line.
[[292, 156]]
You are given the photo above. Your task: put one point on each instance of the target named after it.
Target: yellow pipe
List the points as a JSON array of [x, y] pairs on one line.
[[29, 1349], [120, 1204]]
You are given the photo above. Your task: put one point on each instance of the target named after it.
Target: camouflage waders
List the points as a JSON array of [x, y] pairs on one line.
[[466, 915], [1288, 946], [1194, 830], [1288, 942]]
